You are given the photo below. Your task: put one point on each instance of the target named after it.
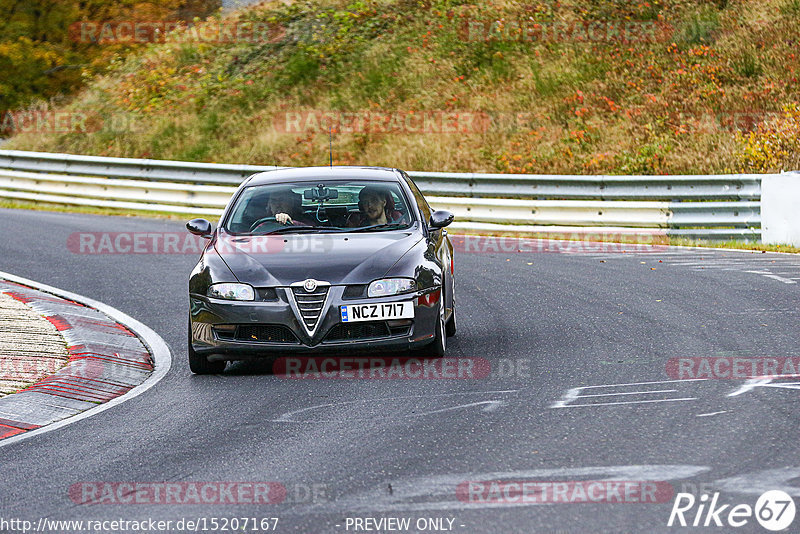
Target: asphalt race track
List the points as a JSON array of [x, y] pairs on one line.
[[399, 448]]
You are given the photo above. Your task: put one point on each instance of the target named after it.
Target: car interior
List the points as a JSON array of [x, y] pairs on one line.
[[327, 207]]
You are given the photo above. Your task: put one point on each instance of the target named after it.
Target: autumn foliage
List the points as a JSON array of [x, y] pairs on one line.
[[41, 59], [572, 87]]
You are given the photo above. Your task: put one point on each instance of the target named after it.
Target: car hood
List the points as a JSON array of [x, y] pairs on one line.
[[280, 260]]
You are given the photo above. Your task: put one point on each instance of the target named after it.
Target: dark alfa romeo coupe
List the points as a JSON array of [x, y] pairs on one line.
[[327, 259]]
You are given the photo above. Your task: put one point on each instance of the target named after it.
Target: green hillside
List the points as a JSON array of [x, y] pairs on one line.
[[582, 87]]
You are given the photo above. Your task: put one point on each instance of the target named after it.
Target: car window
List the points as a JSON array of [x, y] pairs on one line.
[[425, 209], [327, 205]]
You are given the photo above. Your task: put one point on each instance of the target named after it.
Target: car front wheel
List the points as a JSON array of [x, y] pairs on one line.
[[199, 364], [450, 329], [439, 345]]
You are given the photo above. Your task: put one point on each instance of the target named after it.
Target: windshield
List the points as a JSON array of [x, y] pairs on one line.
[[318, 207]]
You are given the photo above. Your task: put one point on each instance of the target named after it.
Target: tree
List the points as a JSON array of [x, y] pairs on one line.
[[42, 56]]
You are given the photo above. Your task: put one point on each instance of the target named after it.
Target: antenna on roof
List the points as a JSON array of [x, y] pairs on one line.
[[330, 144]]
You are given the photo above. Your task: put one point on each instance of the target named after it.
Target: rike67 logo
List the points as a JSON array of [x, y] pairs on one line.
[[774, 510]]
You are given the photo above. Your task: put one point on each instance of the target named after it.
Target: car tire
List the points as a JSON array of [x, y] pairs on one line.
[[439, 345], [199, 364], [450, 329]]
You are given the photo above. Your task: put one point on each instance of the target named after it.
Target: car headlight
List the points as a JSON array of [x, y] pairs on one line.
[[391, 286], [231, 291]]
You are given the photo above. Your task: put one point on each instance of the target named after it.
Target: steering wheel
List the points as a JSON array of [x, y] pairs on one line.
[[261, 221]]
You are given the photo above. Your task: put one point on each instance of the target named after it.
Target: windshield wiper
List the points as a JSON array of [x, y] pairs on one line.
[[291, 228], [385, 226]]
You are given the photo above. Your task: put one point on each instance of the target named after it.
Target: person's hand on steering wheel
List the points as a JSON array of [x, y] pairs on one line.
[[284, 218]]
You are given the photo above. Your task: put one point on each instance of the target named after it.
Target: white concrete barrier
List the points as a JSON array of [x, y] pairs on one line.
[[780, 209]]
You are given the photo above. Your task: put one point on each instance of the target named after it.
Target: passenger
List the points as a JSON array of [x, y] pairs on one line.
[[376, 206], [287, 208]]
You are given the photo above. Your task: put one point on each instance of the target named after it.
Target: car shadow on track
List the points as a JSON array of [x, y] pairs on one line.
[[276, 364]]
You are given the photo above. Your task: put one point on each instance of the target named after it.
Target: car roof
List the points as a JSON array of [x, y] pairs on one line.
[[301, 174]]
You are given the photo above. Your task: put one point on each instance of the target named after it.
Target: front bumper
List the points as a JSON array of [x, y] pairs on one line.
[[208, 317]]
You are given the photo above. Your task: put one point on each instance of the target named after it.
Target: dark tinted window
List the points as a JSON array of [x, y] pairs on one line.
[[425, 209], [339, 204]]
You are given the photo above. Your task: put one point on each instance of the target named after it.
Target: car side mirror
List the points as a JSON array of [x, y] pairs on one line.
[[199, 227], [441, 218]]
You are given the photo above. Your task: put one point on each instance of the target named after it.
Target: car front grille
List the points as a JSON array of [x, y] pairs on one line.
[[310, 304], [265, 333], [347, 332]]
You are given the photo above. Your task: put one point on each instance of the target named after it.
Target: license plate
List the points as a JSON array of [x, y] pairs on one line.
[[377, 312]]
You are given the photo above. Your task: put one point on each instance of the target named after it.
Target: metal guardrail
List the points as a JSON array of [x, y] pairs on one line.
[[679, 188], [130, 168], [719, 207]]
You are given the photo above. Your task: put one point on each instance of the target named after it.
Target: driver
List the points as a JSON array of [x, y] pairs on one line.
[[287, 208]]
